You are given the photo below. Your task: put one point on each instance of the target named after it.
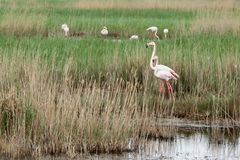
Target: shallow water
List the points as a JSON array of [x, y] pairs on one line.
[[198, 146], [193, 141]]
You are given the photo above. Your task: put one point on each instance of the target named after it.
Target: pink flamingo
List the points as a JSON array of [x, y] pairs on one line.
[[152, 31], [161, 71]]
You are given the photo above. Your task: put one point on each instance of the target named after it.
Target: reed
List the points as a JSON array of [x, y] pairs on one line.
[[160, 4], [216, 21], [22, 24], [61, 105], [88, 94], [42, 113], [123, 4]]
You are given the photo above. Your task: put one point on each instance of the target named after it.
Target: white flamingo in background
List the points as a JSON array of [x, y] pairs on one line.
[[152, 31], [161, 71], [134, 37], [65, 29], [165, 31], [104, 31]]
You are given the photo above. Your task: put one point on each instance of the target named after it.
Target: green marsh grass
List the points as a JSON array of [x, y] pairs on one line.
[[89, 94]]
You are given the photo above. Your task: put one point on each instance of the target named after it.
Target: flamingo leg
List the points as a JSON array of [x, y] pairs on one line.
[[162, 88], [170, 89]]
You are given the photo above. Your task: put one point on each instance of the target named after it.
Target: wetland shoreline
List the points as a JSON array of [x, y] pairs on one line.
[[95, 94]]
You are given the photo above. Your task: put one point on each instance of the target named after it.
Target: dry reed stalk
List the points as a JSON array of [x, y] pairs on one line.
[[220, 25], [140, 4], [158, 4], [22, 24], [58, 118], [63, 112]]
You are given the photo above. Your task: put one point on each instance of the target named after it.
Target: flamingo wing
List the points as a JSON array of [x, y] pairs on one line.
[[152, 29], [166, 68], [165, 75]]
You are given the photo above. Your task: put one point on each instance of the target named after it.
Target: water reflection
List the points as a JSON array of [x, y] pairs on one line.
[[202, 144], [195, 146]]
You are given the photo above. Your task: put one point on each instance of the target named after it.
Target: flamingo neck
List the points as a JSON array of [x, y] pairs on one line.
[[156, 36], [151, 60]]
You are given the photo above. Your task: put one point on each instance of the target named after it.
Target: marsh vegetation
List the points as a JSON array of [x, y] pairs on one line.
[[85, 94]]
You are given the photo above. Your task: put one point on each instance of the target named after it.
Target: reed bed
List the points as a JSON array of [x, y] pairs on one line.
[[43, 112], [52, 104], [88, 94], [22, 24], [160, 4], [124, 4], [216, 21]]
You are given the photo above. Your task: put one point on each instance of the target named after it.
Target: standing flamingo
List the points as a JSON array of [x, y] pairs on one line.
[[161, 71], [65, 29], [152, 31], [165, 31]]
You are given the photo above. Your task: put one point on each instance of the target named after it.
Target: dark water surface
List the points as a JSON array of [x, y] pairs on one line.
[[197, 146], [194, 146], [193, 141]]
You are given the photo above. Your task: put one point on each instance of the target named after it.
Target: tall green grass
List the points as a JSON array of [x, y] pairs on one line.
[[92, 94], [125, 22]]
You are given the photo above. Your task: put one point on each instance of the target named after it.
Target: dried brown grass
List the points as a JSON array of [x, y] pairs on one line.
[[158, 4], [59, 117], [24, 23], [218, 21], [140, 4]]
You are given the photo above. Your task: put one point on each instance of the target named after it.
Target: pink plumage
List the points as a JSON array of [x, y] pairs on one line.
[[161, 71]]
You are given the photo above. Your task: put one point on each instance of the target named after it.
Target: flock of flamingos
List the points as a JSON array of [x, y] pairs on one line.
[[162, 72]]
